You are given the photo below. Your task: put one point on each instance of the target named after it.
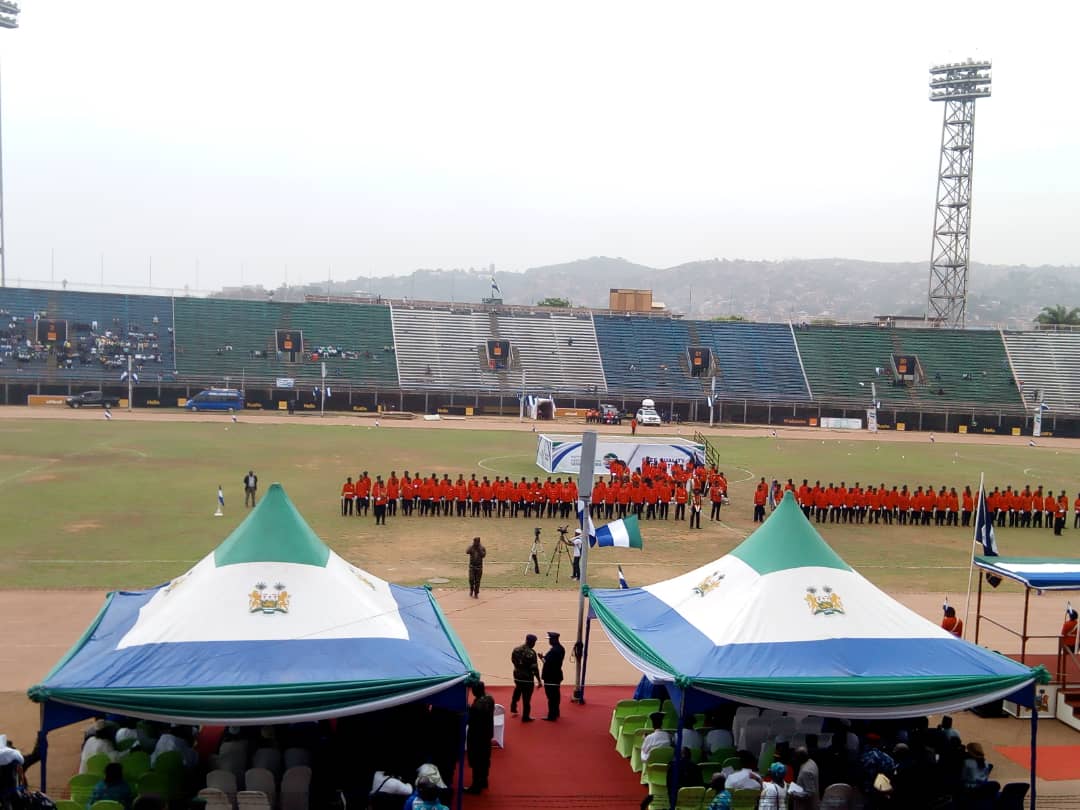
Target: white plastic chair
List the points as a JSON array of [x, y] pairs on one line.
[[771, 714], [215, 799], [235, 762], [260, 780], [754, 735], [296, 756], [499, 735], [811, 724], [237, 748], [269, 758], [252, 800], [222, 781], [837, 797], [742, 715], [295, 786]]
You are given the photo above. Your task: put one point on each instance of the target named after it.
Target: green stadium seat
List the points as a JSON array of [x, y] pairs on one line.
[[96, 764], [690, 798], [81, 785]]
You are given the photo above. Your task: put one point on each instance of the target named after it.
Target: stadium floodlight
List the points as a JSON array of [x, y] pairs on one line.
[[9, 13], [958, 85]]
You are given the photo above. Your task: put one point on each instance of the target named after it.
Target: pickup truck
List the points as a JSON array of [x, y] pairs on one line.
[[92, 399]]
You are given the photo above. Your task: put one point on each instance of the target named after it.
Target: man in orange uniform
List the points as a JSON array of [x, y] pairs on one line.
[[681, 496], [1037, 508], [461, 495], [1067, 642], [427, 495], [487, 496], [446, 494], [953, 623], [417, 495], [1076, 512], [393, 490], [804, 499], [716, 497], [1062, 511], [761, 494], [348, 494], [474, 496], [968, 504], [596, 500], [378, 500], [363, 492], [665, 492], [406, 494], [622, 498], [1049, 508]]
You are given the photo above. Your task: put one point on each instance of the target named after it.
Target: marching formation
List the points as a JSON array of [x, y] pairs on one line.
[[923, 506], [647, 492]]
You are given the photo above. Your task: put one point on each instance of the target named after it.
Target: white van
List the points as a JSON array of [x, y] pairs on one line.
[[647, 414]]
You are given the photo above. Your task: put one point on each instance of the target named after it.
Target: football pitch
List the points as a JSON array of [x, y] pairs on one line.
[[86, 503]]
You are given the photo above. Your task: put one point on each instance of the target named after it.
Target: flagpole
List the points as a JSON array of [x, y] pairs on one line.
[[585, 484], [980, 505]]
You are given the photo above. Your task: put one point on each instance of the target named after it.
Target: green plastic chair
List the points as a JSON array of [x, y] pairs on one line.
[[695, 755], [659, 792], [96, 764], [630, 725], [154, 783], [169, 761], [647, 706], [106, 804], [690, 798], [635, 752], [699, 721], [658, 756], [744, 799], [68, 804], [723, 754], [135, 764], [623, 709], [708, 768], [81, 785], [733, 762]]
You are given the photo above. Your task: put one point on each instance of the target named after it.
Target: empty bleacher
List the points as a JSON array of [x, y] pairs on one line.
[[103, 329], [443, 349], [646, 356], [1047, 363], [226, 337], [959, 368]]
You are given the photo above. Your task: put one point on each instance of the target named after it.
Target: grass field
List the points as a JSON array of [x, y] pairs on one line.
[[89, 503]]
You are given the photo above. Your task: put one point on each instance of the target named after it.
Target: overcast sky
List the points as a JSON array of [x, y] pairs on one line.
[[349, 138]]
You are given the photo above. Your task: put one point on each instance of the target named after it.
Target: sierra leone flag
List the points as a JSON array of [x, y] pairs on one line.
[[623, 533], [622, 580]]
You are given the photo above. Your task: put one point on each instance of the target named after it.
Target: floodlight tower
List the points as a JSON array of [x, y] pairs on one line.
[[9, 13], [957, 84]]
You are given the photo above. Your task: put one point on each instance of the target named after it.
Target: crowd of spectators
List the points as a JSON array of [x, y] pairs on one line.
[[79, 344]]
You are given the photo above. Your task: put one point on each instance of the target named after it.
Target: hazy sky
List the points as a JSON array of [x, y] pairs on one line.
[[366, 138]]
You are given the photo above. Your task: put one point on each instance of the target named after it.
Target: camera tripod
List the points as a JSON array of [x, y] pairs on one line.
[[561, 545], [532, 562]]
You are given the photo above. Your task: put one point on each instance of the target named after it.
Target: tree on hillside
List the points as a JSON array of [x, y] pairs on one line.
[[1059, 315], [561, 303]]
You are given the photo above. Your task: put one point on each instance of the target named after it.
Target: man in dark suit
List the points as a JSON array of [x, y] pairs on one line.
[[552, 674]]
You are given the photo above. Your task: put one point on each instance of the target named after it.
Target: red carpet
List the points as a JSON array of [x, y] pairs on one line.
[[1054, 762], [568, 764]]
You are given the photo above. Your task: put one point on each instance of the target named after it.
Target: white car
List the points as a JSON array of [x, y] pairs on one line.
[[647, 414]]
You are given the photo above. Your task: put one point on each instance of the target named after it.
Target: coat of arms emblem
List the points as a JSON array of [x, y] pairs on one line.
[[264, 600], [710, 583], [827, 602]]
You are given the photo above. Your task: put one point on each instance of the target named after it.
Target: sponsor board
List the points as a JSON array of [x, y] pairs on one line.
[[45, 400], [836, 423], [562, 454]]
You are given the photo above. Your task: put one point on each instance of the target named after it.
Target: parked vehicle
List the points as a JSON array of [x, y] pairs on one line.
[[647, 414], [217, 399], [92, 399], [609, 414]]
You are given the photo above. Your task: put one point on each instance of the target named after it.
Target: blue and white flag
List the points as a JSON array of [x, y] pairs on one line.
[[134, 377], [583, 513], [220, 497], [495, 286], [622, 580], [984, 527], [622, 533]]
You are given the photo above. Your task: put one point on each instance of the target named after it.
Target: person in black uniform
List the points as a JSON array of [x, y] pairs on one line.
[[526, 670], [552, 674], [478, 739]]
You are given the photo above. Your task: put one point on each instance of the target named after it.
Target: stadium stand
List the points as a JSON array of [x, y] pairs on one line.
[[94, 334], [955, 368], [218, 337], [754, 360], [444, 349], [1046, 363], [648, 356]]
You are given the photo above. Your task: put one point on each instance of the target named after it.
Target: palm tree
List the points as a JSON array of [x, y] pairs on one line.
[[1059, 315]]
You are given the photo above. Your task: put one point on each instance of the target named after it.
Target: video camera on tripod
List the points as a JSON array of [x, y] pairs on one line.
[[563, 530]]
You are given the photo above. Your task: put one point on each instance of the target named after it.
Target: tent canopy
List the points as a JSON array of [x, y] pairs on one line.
[[272, 626], [783, 621], [1043, 573]]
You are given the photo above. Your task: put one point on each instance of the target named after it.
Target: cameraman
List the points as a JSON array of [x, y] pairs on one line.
[[575, 554]]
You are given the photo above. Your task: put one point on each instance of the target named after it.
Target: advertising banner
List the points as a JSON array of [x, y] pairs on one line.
[[562, 454]]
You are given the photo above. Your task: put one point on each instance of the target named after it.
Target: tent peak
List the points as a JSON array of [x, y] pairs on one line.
[[787, 540], [274, 531]]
